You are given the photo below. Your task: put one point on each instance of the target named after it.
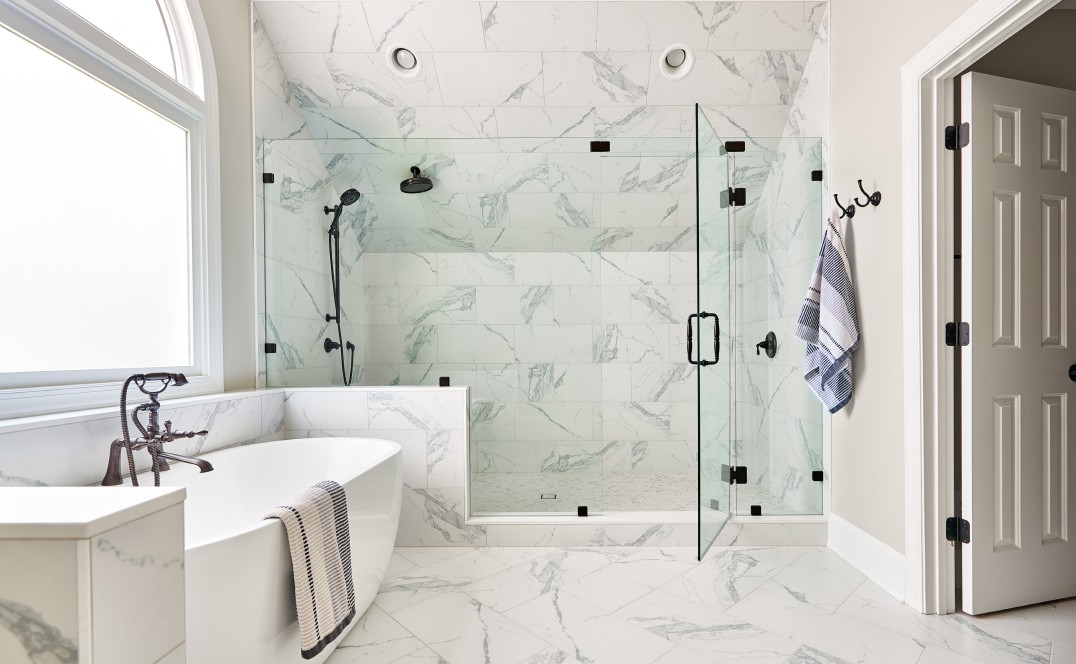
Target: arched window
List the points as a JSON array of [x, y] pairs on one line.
[[109, 259]]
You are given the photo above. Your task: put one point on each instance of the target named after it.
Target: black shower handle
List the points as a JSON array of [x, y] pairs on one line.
[[717, 339]]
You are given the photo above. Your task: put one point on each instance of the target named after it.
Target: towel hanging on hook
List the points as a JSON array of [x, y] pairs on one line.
[[850, 209]]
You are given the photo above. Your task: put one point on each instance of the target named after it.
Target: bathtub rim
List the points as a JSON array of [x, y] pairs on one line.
[[393, 449]]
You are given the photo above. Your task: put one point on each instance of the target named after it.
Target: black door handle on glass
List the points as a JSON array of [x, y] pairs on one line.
[[717, 339]]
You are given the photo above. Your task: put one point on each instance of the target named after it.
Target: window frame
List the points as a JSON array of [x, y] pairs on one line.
[[191, 103]]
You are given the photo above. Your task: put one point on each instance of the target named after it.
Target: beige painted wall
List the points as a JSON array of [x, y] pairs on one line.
[[229, 24], [1040, 53], [871, 40]]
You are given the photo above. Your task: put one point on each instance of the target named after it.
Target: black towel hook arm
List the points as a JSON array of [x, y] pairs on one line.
[[872, 199], [849, 211]]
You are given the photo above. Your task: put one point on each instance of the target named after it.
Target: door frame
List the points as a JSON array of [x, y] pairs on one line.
[[927, 106]]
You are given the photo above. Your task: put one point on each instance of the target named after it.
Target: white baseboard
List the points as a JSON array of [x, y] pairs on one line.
[[878, 561]]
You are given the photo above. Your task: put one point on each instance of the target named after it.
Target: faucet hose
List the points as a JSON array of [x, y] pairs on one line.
[[126, 431]]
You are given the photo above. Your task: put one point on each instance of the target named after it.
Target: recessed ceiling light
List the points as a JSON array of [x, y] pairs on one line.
[[675, 57], [403, 60], [676, 61]]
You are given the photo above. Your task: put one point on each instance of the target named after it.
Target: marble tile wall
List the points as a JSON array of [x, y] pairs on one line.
[[779, 422], [72, 449], [430, 424], [295, 287], [550, 280]]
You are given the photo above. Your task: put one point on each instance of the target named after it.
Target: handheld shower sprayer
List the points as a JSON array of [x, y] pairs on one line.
[[349, 197]]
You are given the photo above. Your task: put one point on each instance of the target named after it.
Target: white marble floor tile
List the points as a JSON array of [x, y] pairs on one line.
[[1063, 654], [424, 656], [936, 655], [462, 630], [587, 632], [728, 574], [1043, 620], [681, 656], [959, 633], [421, 583], [514, 555], [705, 632], [819, 577], [552, 656], [832, 633], [638, 605], [398, 565], [626, 580], [376, 639], [526, 581], [809, 655]]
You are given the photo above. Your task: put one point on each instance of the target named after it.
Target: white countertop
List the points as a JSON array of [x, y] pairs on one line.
[[78, 512]]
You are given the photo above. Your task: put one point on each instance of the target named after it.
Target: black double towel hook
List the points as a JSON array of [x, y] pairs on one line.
[[850, 210], [872, 199]]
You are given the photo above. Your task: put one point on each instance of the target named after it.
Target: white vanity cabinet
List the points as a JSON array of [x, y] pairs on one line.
[[91, 574]]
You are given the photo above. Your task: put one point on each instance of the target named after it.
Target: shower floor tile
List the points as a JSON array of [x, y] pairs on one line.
[[621, 605]]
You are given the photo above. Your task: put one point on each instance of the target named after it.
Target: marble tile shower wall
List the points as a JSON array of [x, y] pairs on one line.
[[779, 422], [552, 281], [293, 258], [431, 427]]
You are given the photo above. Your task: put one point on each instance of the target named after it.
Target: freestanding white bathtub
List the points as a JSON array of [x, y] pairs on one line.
[[240, 597]]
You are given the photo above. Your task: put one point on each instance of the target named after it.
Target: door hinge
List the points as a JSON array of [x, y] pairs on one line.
[[957, 529], [734, 197], [735, 146], [957, 136], [734, 474], [957, 334]]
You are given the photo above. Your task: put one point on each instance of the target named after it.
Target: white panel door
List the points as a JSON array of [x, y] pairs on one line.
[[1018, 461]]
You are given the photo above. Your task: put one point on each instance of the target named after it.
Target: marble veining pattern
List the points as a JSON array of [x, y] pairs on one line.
[[582, 605], [41, 641], [531, 259]]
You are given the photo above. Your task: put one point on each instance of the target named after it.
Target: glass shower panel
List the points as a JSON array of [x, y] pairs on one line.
[[711, 331], [646, 246], [778, 434]]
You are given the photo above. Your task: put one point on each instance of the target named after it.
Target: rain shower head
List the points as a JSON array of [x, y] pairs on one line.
[[416, 184], [349, 196]]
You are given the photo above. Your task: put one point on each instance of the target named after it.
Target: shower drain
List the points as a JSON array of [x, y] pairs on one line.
[[549, 496]]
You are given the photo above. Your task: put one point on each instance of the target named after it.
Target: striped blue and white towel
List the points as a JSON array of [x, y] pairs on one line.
[[828, 323]]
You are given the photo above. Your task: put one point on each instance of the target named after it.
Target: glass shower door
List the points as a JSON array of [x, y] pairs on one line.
[[708, 330]]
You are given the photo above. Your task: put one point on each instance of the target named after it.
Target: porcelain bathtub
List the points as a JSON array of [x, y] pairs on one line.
[[240, 597]]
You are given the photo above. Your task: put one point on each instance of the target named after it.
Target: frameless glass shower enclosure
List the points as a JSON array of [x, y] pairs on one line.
[[556, 277]]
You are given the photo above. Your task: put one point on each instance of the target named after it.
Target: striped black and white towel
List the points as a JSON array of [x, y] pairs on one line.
[[828, 323], [316, 521]]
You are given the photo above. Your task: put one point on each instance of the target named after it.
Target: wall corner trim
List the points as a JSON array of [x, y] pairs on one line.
[[880, 563]]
